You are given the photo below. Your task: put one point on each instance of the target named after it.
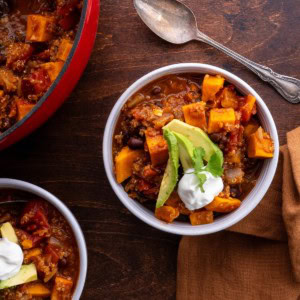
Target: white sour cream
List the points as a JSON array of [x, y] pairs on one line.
[[11, 259], [191, 194]]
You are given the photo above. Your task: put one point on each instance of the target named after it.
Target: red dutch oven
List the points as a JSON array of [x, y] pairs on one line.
[[65, 82]]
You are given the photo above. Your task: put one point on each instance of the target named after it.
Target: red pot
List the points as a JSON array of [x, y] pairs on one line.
[[65, 82]]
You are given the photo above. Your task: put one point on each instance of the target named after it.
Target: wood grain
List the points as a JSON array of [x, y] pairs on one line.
[[128, 259]]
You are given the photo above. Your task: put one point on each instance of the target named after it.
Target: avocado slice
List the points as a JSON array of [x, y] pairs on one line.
[[170, 177], [197, 137], [8, 232], [26, 274], [186, 151]]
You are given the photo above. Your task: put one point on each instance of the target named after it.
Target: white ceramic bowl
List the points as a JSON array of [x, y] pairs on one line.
[[6, 183], [248, 204]]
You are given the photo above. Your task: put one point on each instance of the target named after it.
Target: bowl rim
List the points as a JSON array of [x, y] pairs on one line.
[[257, 193], [7, 183]]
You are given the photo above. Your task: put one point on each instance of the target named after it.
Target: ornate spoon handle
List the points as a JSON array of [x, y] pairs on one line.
[[288, 87]]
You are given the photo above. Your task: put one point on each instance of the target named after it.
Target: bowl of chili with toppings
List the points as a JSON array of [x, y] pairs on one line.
[[43, 251], [45, 46], [190, 149]]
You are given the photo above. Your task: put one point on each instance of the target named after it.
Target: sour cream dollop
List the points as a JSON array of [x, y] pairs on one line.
[[11, 259], [191, 194]]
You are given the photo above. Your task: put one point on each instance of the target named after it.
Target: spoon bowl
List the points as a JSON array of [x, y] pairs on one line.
[[170, 20]]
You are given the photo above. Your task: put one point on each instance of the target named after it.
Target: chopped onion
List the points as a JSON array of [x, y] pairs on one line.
[[260, 134], [234, 176], [55, 242], [135, 100]]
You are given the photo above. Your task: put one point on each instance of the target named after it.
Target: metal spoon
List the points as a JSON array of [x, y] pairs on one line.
[[176, 23]]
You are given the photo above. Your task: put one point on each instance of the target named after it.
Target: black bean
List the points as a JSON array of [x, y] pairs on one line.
[[63, 262], [135, 143], [235, 191], [215, 137], [5, 7], [156, 90]]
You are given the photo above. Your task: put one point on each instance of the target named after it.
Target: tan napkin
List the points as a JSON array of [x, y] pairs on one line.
[[258, 258]]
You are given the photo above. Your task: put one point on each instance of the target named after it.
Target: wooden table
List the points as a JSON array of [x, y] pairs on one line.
[[128, 259]]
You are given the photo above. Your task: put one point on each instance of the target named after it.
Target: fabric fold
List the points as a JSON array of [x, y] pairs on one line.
[[291, 197]]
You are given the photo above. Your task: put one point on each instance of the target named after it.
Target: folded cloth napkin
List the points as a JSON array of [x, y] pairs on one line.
[[258, 258]]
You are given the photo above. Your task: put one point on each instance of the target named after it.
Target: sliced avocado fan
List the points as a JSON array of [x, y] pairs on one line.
[[8, 232], [186, 151], [197, 137], [26, 274], [170, 177], [182, 140]]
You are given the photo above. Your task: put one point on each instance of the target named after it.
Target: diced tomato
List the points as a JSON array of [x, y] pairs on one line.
[[147, 188], [34, 219], [235, 139], [66, 7], [69, 21], [44, 55], [36, 83], [54, 252], [149, 173], [151, 191], [144, 185], [248, 108], [68, 14], [36, 240]]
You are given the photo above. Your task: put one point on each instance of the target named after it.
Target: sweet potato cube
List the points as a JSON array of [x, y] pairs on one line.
[[38, 290], [221, 118], [234, 157], [124, 162], [64, 49], [260, 145], [27, 244], [33, 253], [248, 108], [211, 86], [201, 217], [223, 205], [53, 69], [229, 98], [1, 93], [23, 108], [175, 201], [166, 213], [194, 114], [250, 128], [39, 28], [158, 148], [62, 288]]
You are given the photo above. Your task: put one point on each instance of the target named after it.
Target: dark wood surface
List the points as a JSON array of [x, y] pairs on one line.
[[128, 259]]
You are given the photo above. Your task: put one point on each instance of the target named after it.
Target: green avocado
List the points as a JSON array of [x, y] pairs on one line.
[[170, 177], [197, 137], [26, 274], [186, 151], [8, 232]]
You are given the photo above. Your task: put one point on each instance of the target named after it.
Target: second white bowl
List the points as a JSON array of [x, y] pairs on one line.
[[6, 183]]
